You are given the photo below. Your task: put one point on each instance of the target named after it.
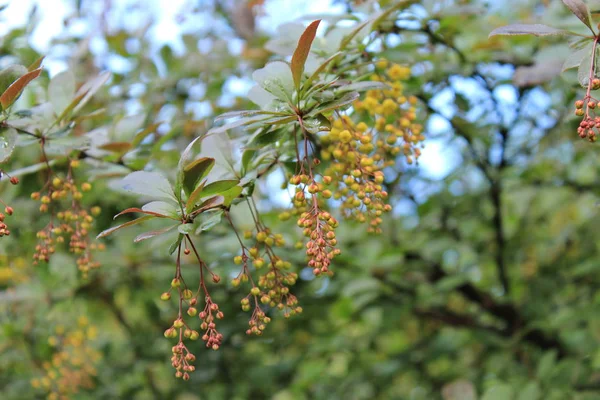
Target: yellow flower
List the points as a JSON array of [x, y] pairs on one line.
[[397, 72]]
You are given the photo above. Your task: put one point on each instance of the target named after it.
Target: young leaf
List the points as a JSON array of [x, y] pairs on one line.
[[529, 29], [218, 187], [183, 162], [8, 141], [150, 184], [195, 172], [194, 197], [212, 220], [581, 11], [126, 224], [10, 74], [13, 92], [363, 86], [343, 101], [302, 51], [175, 244], [230, 194], [185, 229], [246, 158], [61, 91], [151, 234]]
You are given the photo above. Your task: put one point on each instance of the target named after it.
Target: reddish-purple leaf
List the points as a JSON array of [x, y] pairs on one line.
[[126, 224], [139, 210], [302, 50], [13, 92]]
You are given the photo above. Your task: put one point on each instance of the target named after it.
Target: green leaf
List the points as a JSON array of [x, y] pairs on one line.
[[531, 391], [575, 58], [13, 92], [218, 187], [126, 224], [363, 86], [150, 184], [163, 208], [195, 172], [546, 365], [581, 11], [36, 64], [214, 217], [499, 392], [185, 229], [276, 78], [583, 72], [194, 198], [343, 101], [151, 234], [246, 158], [307, 83], [175, 244], [231, 194], [88, 89], [61, 90], [143, 134], [183, 162], [529, 29], [10, 74], [237, 123], [302, 50], [8, 141]]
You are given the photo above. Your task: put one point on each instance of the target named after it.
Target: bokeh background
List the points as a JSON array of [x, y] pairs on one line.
[[483, 285]]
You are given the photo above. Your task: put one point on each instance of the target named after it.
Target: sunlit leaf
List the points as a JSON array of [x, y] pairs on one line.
[[150, 184], [61, 91]]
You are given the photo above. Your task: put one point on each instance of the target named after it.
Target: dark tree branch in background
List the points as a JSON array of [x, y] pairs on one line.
[[515, 322]]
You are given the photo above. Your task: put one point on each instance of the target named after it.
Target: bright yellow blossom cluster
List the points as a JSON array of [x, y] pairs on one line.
[[360, 151], [73, 365]]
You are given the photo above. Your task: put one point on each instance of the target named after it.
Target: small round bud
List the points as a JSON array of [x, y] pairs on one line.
[[9, 210], [14, 180], [165, 296]]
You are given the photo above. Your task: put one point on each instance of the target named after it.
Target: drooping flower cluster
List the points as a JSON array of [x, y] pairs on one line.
[[8, 210], [182, 358], [73, 364], [69, 219], [359, 152], [589, 127], [273, 286]]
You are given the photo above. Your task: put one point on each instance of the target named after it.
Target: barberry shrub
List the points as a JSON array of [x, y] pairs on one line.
[[332, 116]]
